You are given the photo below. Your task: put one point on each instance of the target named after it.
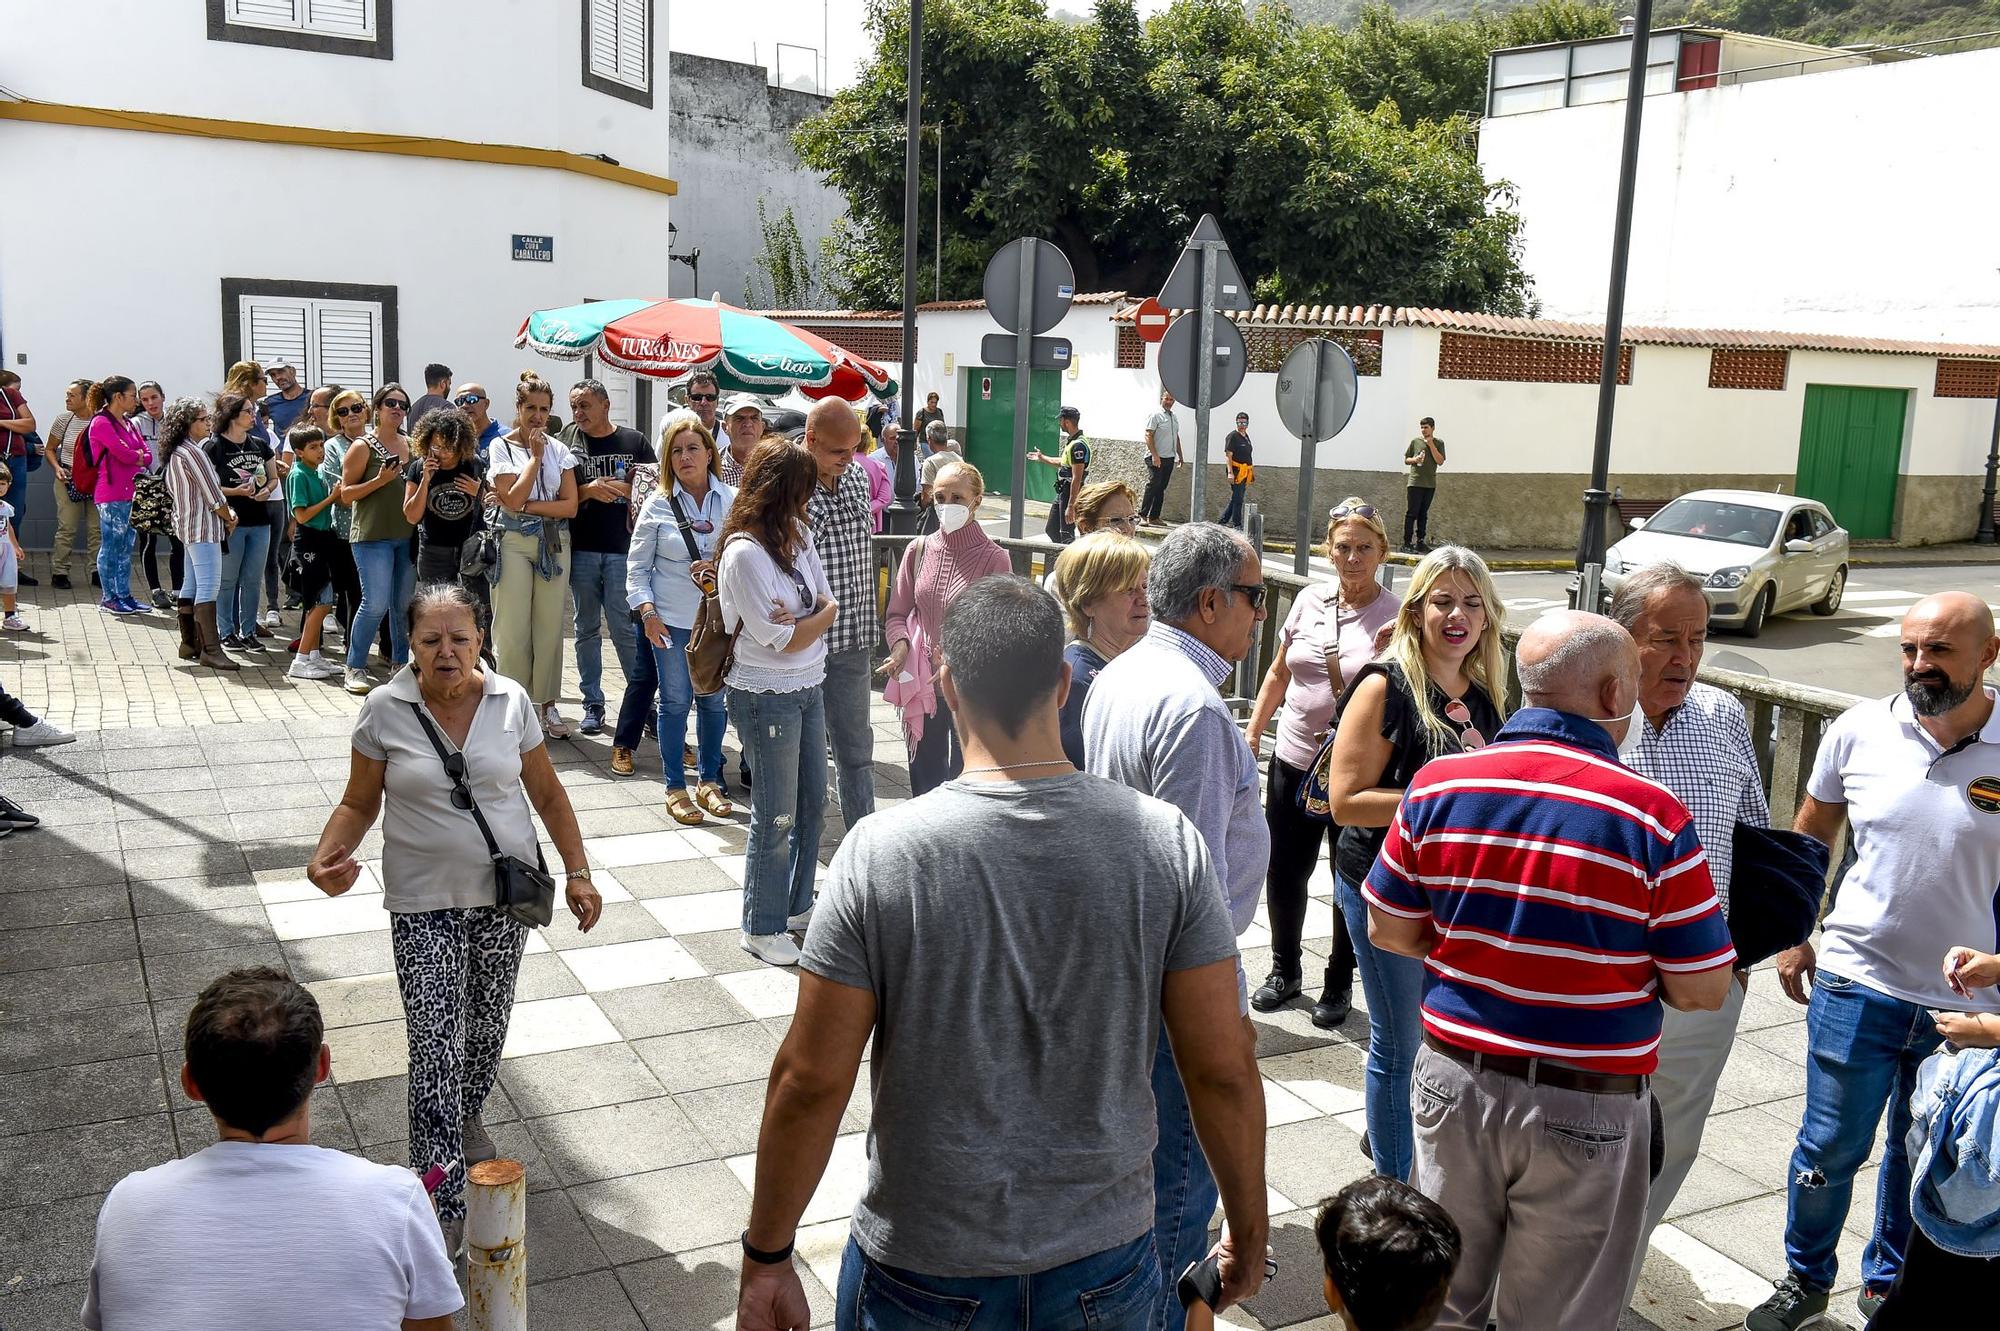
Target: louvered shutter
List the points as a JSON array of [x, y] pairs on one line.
[[274, 329], [349, 344], [619, 42]]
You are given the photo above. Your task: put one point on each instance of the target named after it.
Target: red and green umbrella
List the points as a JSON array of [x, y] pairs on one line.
[[671, 339]]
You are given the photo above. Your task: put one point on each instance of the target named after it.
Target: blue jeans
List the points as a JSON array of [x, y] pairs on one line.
[[201, 573], [849, 691], [114, 550], [784, 736], [677, 697], [1862, 1053], [17, 468], [242, 567], [1113, 1290], [1184, 1191], [1394, 988], [1232, 516], [388, 580], [597, 580]]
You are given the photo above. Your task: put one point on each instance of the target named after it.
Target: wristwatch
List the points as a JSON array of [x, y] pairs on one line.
[[584, 874]]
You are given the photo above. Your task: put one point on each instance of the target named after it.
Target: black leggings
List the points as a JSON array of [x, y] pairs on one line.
[[1417, 516], [1295, 846], [149, 557], [1932, 1288]]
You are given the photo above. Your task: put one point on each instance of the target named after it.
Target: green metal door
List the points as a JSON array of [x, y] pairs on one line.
[[989, 426], [1850, 453]]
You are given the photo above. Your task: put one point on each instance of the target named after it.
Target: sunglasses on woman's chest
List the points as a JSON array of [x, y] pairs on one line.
[[1460, 715]]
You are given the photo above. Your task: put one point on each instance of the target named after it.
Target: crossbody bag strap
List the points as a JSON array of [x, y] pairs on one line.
[[444, 756], [1331, 649], [687, 531]]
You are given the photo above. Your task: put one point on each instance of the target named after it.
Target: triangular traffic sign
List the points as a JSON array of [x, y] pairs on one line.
[[1183, 288]]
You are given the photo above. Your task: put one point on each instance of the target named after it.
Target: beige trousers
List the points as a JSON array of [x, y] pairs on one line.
[[528, 618], [68, 513]]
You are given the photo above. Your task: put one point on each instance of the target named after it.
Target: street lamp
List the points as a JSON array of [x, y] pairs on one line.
[[692, 258], [1986, 534], [902, 514]]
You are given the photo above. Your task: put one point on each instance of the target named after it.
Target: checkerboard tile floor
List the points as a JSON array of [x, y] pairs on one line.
[[632, 1080]]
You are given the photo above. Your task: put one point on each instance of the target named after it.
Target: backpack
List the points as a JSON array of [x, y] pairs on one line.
[[82, 468]]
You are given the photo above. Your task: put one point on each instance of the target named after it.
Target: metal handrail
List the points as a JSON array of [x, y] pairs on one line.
[[1732, 76]]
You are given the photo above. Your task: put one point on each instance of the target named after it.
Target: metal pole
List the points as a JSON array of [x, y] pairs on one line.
[[1250, 670], [1986, 534], [1302, 537], [903, 513], [1024, 358], [496, 1252], [1596, 499], [1204, 381], [937, 234]]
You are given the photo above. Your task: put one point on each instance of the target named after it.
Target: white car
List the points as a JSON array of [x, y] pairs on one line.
[[1757, 554]]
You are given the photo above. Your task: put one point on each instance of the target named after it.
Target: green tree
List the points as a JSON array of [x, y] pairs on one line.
[[784, 265], [1112, 137]]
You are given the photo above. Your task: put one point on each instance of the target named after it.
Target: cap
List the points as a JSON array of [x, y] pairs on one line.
[[279, 364], [736, 402]]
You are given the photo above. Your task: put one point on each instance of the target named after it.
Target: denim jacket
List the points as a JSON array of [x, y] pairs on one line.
[[1954, 1146]]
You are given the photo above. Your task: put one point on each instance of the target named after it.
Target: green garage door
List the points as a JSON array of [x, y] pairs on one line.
[[1850, 451], [988, 395]]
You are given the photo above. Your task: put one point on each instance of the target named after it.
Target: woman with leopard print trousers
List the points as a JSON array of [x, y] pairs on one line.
[[457, 955]]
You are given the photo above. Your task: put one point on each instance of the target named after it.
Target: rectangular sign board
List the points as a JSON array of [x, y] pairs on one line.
[[534, 249]]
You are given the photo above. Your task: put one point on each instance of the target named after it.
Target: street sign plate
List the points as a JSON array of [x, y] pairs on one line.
[[1331, 391], [1054, 285], [1150, 318], [534, 249], [1180, 360], [1047, 353], [1183, 288]]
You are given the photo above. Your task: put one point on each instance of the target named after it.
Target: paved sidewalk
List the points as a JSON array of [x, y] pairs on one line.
[[178, 828]]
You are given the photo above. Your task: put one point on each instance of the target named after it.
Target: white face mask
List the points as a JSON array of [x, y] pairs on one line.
[[953, 516], [1630, 744]]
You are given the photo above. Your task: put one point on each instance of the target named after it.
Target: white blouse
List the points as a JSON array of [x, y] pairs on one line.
[[748, 582]]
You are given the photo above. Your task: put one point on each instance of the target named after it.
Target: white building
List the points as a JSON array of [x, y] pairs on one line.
[[1779, 186], [362, 186]]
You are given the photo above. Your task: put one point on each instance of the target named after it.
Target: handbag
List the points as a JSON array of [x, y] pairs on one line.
[[521, 891], [1314, 798], [711, 648], [152, 505]]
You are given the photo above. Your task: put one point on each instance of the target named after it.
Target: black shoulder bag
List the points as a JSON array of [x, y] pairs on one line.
[[521, 890]]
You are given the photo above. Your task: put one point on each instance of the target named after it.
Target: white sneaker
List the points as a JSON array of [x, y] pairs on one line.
[[358, 681], [553, 724], [310, 667], [271, 620], [799, 923], [773, 949], [40, 733], [14, 622]]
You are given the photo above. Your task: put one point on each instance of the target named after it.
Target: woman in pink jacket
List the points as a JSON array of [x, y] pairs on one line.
[[936, 568], [119, 452]]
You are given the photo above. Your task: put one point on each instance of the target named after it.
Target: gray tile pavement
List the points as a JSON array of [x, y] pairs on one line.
[[632, 1082]]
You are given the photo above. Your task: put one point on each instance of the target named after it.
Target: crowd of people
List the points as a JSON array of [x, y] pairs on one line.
[[1552, 909]]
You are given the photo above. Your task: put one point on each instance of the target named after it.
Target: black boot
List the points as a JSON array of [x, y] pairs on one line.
[[1279, 988], [1336, 1000]]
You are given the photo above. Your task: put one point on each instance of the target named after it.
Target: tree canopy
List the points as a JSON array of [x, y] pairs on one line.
[[1341, 165]]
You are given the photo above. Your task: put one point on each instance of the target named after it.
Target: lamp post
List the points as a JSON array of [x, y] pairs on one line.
[[1597, 500], [692, 258], [1986, 535], [902, 514]]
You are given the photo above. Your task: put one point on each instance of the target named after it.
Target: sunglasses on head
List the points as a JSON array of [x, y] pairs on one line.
[[703, 397], [351, 409], [1350, 511], [1460, 715]]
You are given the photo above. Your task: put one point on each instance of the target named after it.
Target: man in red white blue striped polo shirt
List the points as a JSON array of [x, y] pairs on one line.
[[1557, 899]]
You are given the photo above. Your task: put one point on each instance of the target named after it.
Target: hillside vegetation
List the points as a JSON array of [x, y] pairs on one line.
[[1826, 22]]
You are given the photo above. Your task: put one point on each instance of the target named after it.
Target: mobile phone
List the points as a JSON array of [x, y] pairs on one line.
[[1203, 1279]]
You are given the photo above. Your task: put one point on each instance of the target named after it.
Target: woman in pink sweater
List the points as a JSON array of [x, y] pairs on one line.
[[119, 452], [936, 568]]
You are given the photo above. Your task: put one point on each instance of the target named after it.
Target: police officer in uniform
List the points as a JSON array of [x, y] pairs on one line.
[[1072, 464]]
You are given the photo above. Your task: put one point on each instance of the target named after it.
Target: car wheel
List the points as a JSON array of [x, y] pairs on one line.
[[1760, 611], [1835, 589]]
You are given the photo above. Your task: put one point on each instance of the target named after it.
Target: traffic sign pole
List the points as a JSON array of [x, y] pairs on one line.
[[1024, 363], [1316, 390], [1204, 382], [1308, 446]]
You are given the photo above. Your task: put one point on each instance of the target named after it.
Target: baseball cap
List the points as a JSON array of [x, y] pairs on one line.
[[736, 402], [279, 364]]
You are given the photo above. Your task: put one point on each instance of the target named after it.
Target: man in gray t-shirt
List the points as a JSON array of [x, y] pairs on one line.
[[1013, 942], [1163, 450]]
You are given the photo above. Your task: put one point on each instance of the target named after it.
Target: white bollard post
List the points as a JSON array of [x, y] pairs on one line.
[[496, 1246]]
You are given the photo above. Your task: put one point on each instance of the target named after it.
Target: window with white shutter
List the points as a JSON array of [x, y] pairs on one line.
[[342, 27], [618, 48], [334, 335]]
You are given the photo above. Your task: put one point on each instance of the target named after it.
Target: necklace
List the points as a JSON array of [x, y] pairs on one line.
[[1046, 762]]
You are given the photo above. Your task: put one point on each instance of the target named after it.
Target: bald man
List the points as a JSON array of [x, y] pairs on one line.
[[843, 526], [1916, 776], [1568, 901], [477, 404]]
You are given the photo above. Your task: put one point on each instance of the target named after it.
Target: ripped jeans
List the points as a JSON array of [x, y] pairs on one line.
[[1863, 1049], [784, 737]]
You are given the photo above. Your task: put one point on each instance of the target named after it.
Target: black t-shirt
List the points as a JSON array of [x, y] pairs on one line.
[[1411, 745], [1237, 448], [238, 465], [450, 515], [600, 527]]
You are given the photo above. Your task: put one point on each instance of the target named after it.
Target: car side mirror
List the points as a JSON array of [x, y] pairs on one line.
[[1636, 524], [1798, 547]]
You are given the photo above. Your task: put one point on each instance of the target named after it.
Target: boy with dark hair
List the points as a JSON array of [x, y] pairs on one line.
[[1389, 1253], [339, 1242]]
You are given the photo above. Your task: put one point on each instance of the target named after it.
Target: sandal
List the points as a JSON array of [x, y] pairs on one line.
[[682, 808], [712, 799]]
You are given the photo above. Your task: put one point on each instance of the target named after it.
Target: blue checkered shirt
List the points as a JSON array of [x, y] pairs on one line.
[[843, 525], [1704, 756]]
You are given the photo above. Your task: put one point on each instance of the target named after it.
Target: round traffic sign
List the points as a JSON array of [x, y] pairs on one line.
[[1316, 389], [1149, 318], [1180, 359], [1053, 284]]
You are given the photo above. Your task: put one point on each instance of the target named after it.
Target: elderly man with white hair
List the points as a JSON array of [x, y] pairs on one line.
[[1557, 898]]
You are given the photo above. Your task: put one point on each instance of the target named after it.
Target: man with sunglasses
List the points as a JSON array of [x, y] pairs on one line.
[[703, 397], [477, 404], [1557, 899], [1155, 721]]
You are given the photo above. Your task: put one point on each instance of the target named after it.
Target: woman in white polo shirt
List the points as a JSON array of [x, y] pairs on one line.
[[457, 954]]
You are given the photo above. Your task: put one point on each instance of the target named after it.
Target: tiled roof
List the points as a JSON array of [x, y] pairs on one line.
[[1081, 298], [1559, 330], [893, 316]]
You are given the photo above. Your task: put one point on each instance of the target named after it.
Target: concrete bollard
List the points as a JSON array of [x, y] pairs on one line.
[[496, 1246]]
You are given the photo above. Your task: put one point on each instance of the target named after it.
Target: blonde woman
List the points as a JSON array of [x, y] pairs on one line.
[[371, 477], [1339, 624], [533, 476], [1101, 582], [1438, 689], [246, 379], [348, 411]]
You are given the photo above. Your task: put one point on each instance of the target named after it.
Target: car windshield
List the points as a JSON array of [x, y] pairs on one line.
[[1716, 520]]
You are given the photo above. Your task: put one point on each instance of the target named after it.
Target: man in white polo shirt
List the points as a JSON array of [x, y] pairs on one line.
[[1917, 777]]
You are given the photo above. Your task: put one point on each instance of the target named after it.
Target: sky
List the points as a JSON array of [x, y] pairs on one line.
[[701, 27]]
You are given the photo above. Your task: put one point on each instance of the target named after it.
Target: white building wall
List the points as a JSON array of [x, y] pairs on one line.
[[1858, 200]]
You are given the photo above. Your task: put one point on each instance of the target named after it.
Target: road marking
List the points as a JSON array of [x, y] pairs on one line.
[[1852, 595]]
